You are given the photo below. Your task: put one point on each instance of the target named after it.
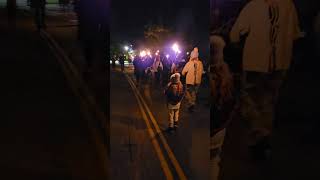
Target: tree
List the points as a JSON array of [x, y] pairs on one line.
[[115, 49], [156, 35]]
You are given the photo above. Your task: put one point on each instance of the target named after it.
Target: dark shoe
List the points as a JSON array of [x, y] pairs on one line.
[[170, 129], [191, 109], [175, 125], [261, 150]]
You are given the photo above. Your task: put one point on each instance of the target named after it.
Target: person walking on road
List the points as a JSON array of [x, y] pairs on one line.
[[121, 61], [92, 31], [174, 68], [11, 9], [39, 13], [157, 68], [174, 93], [223, 102], [193, 71], [137, 64], [270, 27], [166, 70]]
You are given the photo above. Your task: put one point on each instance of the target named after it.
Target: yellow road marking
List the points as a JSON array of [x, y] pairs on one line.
[[171, 155], [163, 162]]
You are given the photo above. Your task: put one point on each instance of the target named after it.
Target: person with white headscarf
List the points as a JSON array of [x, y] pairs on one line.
[[270, 27], [193, 71], [222, 105], [174, 93]]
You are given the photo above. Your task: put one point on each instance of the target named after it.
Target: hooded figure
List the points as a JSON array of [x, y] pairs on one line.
[[174, 93], [39, 12], [193, 71]]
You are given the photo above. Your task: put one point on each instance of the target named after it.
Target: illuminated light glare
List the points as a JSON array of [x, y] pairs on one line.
[[143, 53], [167, 56], [175, 47], [126, 48], [188, 53]]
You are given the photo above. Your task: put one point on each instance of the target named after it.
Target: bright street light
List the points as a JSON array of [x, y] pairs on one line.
[[143, 53], [175, 47]]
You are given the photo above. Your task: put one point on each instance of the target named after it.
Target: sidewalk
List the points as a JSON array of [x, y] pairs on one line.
[[44, 133]]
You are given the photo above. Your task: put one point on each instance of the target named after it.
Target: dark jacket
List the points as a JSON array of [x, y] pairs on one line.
[[93, 19], [174, 98]]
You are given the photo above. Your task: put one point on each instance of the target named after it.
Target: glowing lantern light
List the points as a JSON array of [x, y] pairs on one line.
[[143, 53]]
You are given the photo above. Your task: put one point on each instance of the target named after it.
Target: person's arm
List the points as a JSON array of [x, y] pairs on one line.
[[166, 88], [201, 67], [172, 68], [242, 24], [185, 69]]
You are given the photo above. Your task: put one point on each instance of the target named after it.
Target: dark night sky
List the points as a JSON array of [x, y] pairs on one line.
[[128, 18]]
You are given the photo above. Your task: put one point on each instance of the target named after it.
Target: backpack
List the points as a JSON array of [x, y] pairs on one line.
[[174, 93]]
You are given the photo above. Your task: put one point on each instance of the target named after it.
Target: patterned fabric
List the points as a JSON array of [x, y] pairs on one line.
[[216, 144], [191, 94], [270, 29], [259, 98], [174, 115], [274, 32]]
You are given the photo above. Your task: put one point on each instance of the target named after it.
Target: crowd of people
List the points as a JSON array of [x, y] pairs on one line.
[[178, 78]]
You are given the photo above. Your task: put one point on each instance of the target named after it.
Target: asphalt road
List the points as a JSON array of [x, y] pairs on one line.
[[189, 144]]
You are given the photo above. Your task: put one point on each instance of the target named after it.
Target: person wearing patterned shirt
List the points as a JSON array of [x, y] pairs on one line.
[[270, 27]]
